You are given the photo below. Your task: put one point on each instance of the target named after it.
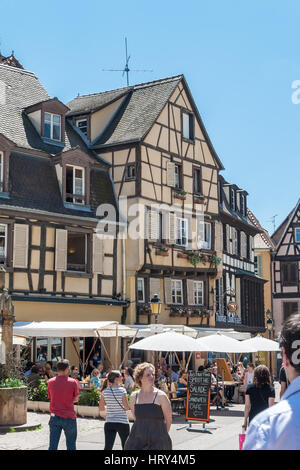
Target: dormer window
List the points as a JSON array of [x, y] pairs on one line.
[[82, 124], [233, 199], [75, 188], [243, 204], [52, 126]]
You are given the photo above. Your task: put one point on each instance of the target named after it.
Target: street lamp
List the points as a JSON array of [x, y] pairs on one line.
[[269, 324], [155, 305]]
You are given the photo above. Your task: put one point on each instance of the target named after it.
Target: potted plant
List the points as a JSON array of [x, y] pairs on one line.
[[199, 199], [38, 397], [183, 255], [162, 250], [88, 404], [13, 394], [180, 194]]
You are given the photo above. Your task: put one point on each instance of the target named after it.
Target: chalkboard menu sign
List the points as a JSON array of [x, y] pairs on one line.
[[198, 396]]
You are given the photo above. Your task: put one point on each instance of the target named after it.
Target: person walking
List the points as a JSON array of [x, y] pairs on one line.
[[278, 428], [259, 395], [152, 412], [114, 397], [63, 392]]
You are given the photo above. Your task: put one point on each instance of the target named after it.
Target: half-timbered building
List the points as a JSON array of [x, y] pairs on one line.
[[51, 183], [161, 157], [239, 293], [286, 268]]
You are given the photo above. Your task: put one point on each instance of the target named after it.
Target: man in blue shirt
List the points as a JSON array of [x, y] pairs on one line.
[[278, 427]]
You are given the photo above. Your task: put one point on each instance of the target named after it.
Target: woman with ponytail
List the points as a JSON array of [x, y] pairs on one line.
[[114, 397]]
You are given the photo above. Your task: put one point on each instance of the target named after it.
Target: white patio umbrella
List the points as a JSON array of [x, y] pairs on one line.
[[223, 344], [259, 343], [169, 341]]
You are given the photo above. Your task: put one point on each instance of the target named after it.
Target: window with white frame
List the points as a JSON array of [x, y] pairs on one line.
[[3, 243], [182, 232], [52, 126], [177, 294], [198, 293], [204, 235], [82, 125], [187, 126], [297, 235], [140, 289], [1, 170], [75, 184]]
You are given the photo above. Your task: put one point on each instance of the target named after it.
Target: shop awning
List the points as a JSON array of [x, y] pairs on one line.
[[17, 340], [148, 330], [106, 329]]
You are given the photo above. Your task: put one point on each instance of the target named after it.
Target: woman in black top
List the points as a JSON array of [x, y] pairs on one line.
[[259, 395]]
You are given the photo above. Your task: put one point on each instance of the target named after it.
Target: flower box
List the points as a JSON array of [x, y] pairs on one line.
[[199, 199], [160, 252], [180, 195], [182, 255]]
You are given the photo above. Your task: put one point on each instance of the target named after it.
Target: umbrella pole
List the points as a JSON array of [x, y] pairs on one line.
[[105, 350], [78, 355], [187, 365], [116, 346], [177, 359], [25, 350], [127, 352]]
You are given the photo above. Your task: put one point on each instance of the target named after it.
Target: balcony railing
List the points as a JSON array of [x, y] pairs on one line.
[[228, 319]]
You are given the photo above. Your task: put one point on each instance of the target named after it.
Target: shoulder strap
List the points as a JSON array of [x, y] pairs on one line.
[[117, 399], [155, 397]]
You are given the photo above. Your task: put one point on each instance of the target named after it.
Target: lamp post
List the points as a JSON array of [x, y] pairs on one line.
[[269, 324], [155, 305]]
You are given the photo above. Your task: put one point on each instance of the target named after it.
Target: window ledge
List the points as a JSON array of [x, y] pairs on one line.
[[78, 207], [5, 195], [190, 141], [57, 143], [78, 274]]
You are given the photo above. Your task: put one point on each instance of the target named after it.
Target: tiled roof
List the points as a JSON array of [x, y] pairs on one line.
[[263, 239], [11, 60], [34, 185], [141, 106]]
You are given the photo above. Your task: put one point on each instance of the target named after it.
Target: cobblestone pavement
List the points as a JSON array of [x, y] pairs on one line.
[[221, 434]]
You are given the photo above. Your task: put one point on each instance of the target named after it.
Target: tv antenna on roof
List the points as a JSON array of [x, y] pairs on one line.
[[126, 68], [273, 220]]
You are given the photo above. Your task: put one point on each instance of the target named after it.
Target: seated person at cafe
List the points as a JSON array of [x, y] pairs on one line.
[[95, 360], [217, 390], [95, 380], [182, 383], [174, 375], [100, 368], [33, 379], [75, 375], [160, 376], [28, 368]]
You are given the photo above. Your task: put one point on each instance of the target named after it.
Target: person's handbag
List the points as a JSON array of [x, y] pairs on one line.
[[242, 438]]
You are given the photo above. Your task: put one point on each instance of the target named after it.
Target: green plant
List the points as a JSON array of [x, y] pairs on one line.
[[39, 393], [11, 383], [90, 398]]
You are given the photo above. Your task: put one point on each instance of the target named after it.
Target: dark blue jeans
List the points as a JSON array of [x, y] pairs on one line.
[[69, 426]]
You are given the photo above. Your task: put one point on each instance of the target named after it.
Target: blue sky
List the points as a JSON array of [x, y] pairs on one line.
[[239, 58]]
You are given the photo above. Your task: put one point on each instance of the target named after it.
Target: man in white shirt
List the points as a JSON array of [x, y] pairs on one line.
[[278, 427]]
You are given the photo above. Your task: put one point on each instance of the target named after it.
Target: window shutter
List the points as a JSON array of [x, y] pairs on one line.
[[168, 290], [152, 225], [208, 236], [154, 287], [172, 228], [171, 174], [61, 247], [190, 292], [259, 266], [243, 245], [97, 254], [20, 255], [228, 237]]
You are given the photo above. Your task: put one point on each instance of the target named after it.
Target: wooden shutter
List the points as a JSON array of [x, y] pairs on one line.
[[61, 247], [152, 225], [168, 290], [228, 239], [98, 254], [190, 291], [171, 174], [259, 265], [20, 255], [201, 233], [172, 228], [154, 287], [243, 245]]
